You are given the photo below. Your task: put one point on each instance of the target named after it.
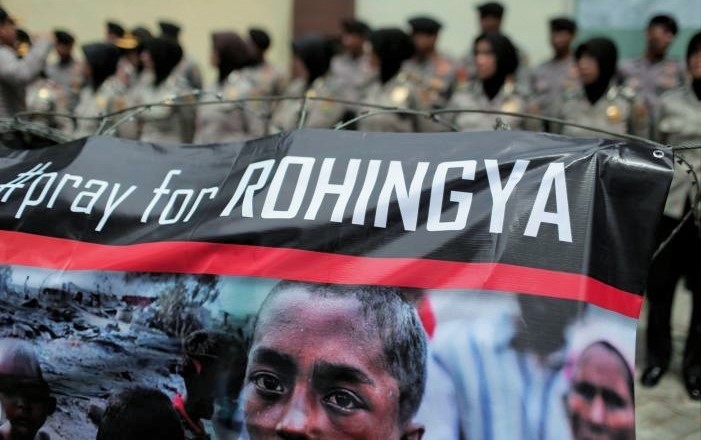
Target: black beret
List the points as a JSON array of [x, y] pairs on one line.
[[260, 38], [169, 29], [115, 28], [491, 9], [63, 37], [424, 25], [352, 26], [563, 24]]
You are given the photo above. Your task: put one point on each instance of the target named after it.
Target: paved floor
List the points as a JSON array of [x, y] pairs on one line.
[[665, 412]]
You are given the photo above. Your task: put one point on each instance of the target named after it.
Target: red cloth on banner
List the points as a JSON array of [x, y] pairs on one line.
[[194, 426], [428, 318]]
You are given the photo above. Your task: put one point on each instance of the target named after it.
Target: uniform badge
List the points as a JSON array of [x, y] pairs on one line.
[[613, 114], [510, 105], [399, 94], [101, 102], [231, 93]]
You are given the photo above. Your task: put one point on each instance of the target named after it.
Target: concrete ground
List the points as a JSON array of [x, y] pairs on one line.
[[665, 412]]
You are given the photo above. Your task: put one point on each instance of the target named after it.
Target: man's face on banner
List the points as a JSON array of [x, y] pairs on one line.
[[317, 371], [600, 404]]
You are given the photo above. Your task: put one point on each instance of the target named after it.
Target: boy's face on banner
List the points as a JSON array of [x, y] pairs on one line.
[[600, 404], [316, 370]]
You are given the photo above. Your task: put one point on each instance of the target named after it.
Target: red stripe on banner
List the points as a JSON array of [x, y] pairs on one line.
[[318, 267]]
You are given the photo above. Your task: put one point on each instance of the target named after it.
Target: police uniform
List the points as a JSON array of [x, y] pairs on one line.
[[164, 124], [111, 96], [266, 80], [432, 77], [397, 92], [70, 77], [679, 123], [433, 81], [356, 72], [319, 114], [471, 96], [619, 110], [651, 80], [229, 122], [353, 66], [45, 96], [548, 81]]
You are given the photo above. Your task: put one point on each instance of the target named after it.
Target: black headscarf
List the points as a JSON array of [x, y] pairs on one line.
[[166, 55], [693, 47], [392, 46], [232, 51], [507, 61], [315, 52], [103, 59], [605, 53]]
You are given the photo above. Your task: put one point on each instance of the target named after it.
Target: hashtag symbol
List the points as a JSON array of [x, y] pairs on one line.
[[22, 179]]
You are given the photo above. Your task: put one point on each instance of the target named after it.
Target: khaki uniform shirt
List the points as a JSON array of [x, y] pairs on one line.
[[680, 123], [548, 82], [165, 124], [471, 96], [397, 92], [16, 73], [45, 96], [357, 73], [651, 80], [620, 110], [433, 81], [70, 77], [229, 122], [267, 81], [110, 97], [319, 114]]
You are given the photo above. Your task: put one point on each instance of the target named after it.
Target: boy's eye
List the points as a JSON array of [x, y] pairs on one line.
[[267, 383], [344, 400]]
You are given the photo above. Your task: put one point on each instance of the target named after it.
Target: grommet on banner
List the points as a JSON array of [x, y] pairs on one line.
[[659, 154]]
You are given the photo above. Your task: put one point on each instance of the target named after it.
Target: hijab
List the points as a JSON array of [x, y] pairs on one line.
[[506, 58], [605, 53], [315, 52], [392, 46], [166, 55], [103, 59], [233, 53]]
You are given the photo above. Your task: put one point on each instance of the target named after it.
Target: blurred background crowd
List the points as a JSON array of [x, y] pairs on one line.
[[627, 67]]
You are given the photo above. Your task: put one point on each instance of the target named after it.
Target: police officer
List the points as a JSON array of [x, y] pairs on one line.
[[679, 123], [390, 48], [551, 78], [43, 94], [189, 70], [17, 73], [598, 101], [311, 62], [494, 87], [653, 73], [226, 122], [353, 66], [164, 124], [269, 79], [102, 92], [491, 15], [431, 73], [66, 71]]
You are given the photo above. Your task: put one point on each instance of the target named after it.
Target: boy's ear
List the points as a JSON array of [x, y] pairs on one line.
[[413, 431]]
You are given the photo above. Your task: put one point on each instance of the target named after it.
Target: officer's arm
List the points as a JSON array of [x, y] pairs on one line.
[[22, 71]]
